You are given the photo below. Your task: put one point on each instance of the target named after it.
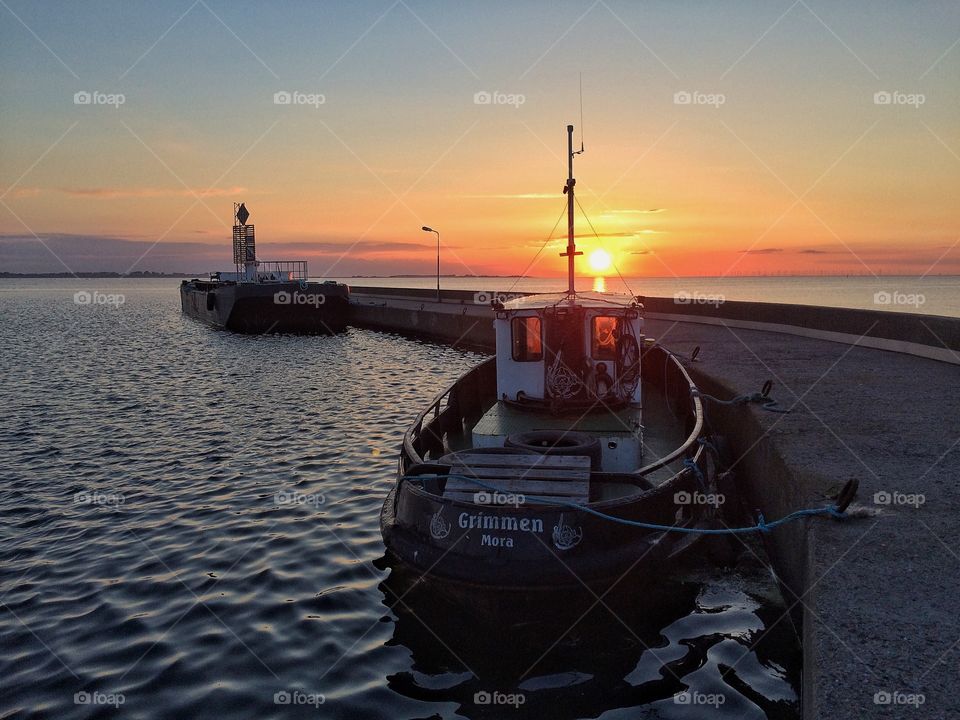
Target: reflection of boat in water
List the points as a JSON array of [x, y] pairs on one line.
[[265, 296], [511, 476], [644, 647]]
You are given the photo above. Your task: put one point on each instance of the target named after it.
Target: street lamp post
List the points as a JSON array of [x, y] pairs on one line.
[[429, 229]]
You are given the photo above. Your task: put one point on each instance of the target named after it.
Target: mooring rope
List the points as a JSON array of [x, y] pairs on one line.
[[761, 526], [766, 402]]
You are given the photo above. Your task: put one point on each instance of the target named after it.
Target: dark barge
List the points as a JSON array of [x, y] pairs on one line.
[[265, 296]]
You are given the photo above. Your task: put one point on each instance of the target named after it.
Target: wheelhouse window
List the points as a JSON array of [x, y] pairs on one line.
[[605, 329], [527, 340]]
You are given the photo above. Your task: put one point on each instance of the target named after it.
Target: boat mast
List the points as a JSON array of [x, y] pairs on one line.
[[571, 252]]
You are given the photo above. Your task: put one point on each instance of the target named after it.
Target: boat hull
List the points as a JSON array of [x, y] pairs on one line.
[[534, 547], [463, 538], [259, 308]]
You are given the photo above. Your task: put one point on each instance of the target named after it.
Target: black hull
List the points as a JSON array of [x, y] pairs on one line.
[[530, 547], [427, 533], [255, 308]]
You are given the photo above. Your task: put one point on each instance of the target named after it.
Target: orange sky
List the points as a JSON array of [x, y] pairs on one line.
[[798, 169]]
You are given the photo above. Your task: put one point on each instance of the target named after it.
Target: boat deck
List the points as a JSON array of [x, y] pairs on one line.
[[506, 419]]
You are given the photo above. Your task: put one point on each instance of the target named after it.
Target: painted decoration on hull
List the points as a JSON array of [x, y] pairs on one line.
[[565, 536]]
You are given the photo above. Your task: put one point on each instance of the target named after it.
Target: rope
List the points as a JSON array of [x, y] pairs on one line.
[[766, 402], [697, 472], [545, 243], [587, 218], [761, 526]]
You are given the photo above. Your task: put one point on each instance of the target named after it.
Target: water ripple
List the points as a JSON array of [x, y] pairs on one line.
[[189, 523]]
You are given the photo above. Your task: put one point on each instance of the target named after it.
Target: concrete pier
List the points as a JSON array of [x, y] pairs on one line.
[[873, 395]]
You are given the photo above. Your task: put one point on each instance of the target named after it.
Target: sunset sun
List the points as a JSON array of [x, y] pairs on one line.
[[600, 260]]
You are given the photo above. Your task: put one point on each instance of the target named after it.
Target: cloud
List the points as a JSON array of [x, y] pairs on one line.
[[813, 252], [607, 235], [762, 251], [637, 211], [107, 253], [147, 192], [520, 196], [641, 252], [24, 192]]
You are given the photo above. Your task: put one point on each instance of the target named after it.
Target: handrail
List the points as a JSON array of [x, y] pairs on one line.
[[697, 425], [417, 426]]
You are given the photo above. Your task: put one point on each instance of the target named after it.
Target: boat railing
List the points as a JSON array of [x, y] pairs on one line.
[[461, 399], [465, 397], [673, 374], [286, 269]]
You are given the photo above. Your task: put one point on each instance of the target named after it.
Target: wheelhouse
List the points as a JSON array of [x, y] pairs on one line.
[[565, 351]]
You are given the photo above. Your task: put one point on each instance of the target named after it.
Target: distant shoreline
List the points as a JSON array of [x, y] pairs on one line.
[[149, 275], [96, 275]]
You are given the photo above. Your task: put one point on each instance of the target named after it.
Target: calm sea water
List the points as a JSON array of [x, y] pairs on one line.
[[189, 529], [932, 295]]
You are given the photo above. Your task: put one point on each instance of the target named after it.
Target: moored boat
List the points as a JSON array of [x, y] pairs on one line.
[[265, 296], [555, 462]]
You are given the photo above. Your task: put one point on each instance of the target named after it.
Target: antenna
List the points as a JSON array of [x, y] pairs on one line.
[[571, 252], [581, 112]]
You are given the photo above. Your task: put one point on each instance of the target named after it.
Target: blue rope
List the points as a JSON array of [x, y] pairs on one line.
[[761, 526], [767, 403], [697, 472]]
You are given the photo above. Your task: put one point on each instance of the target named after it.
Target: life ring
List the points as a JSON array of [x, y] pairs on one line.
[[558, 442]]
